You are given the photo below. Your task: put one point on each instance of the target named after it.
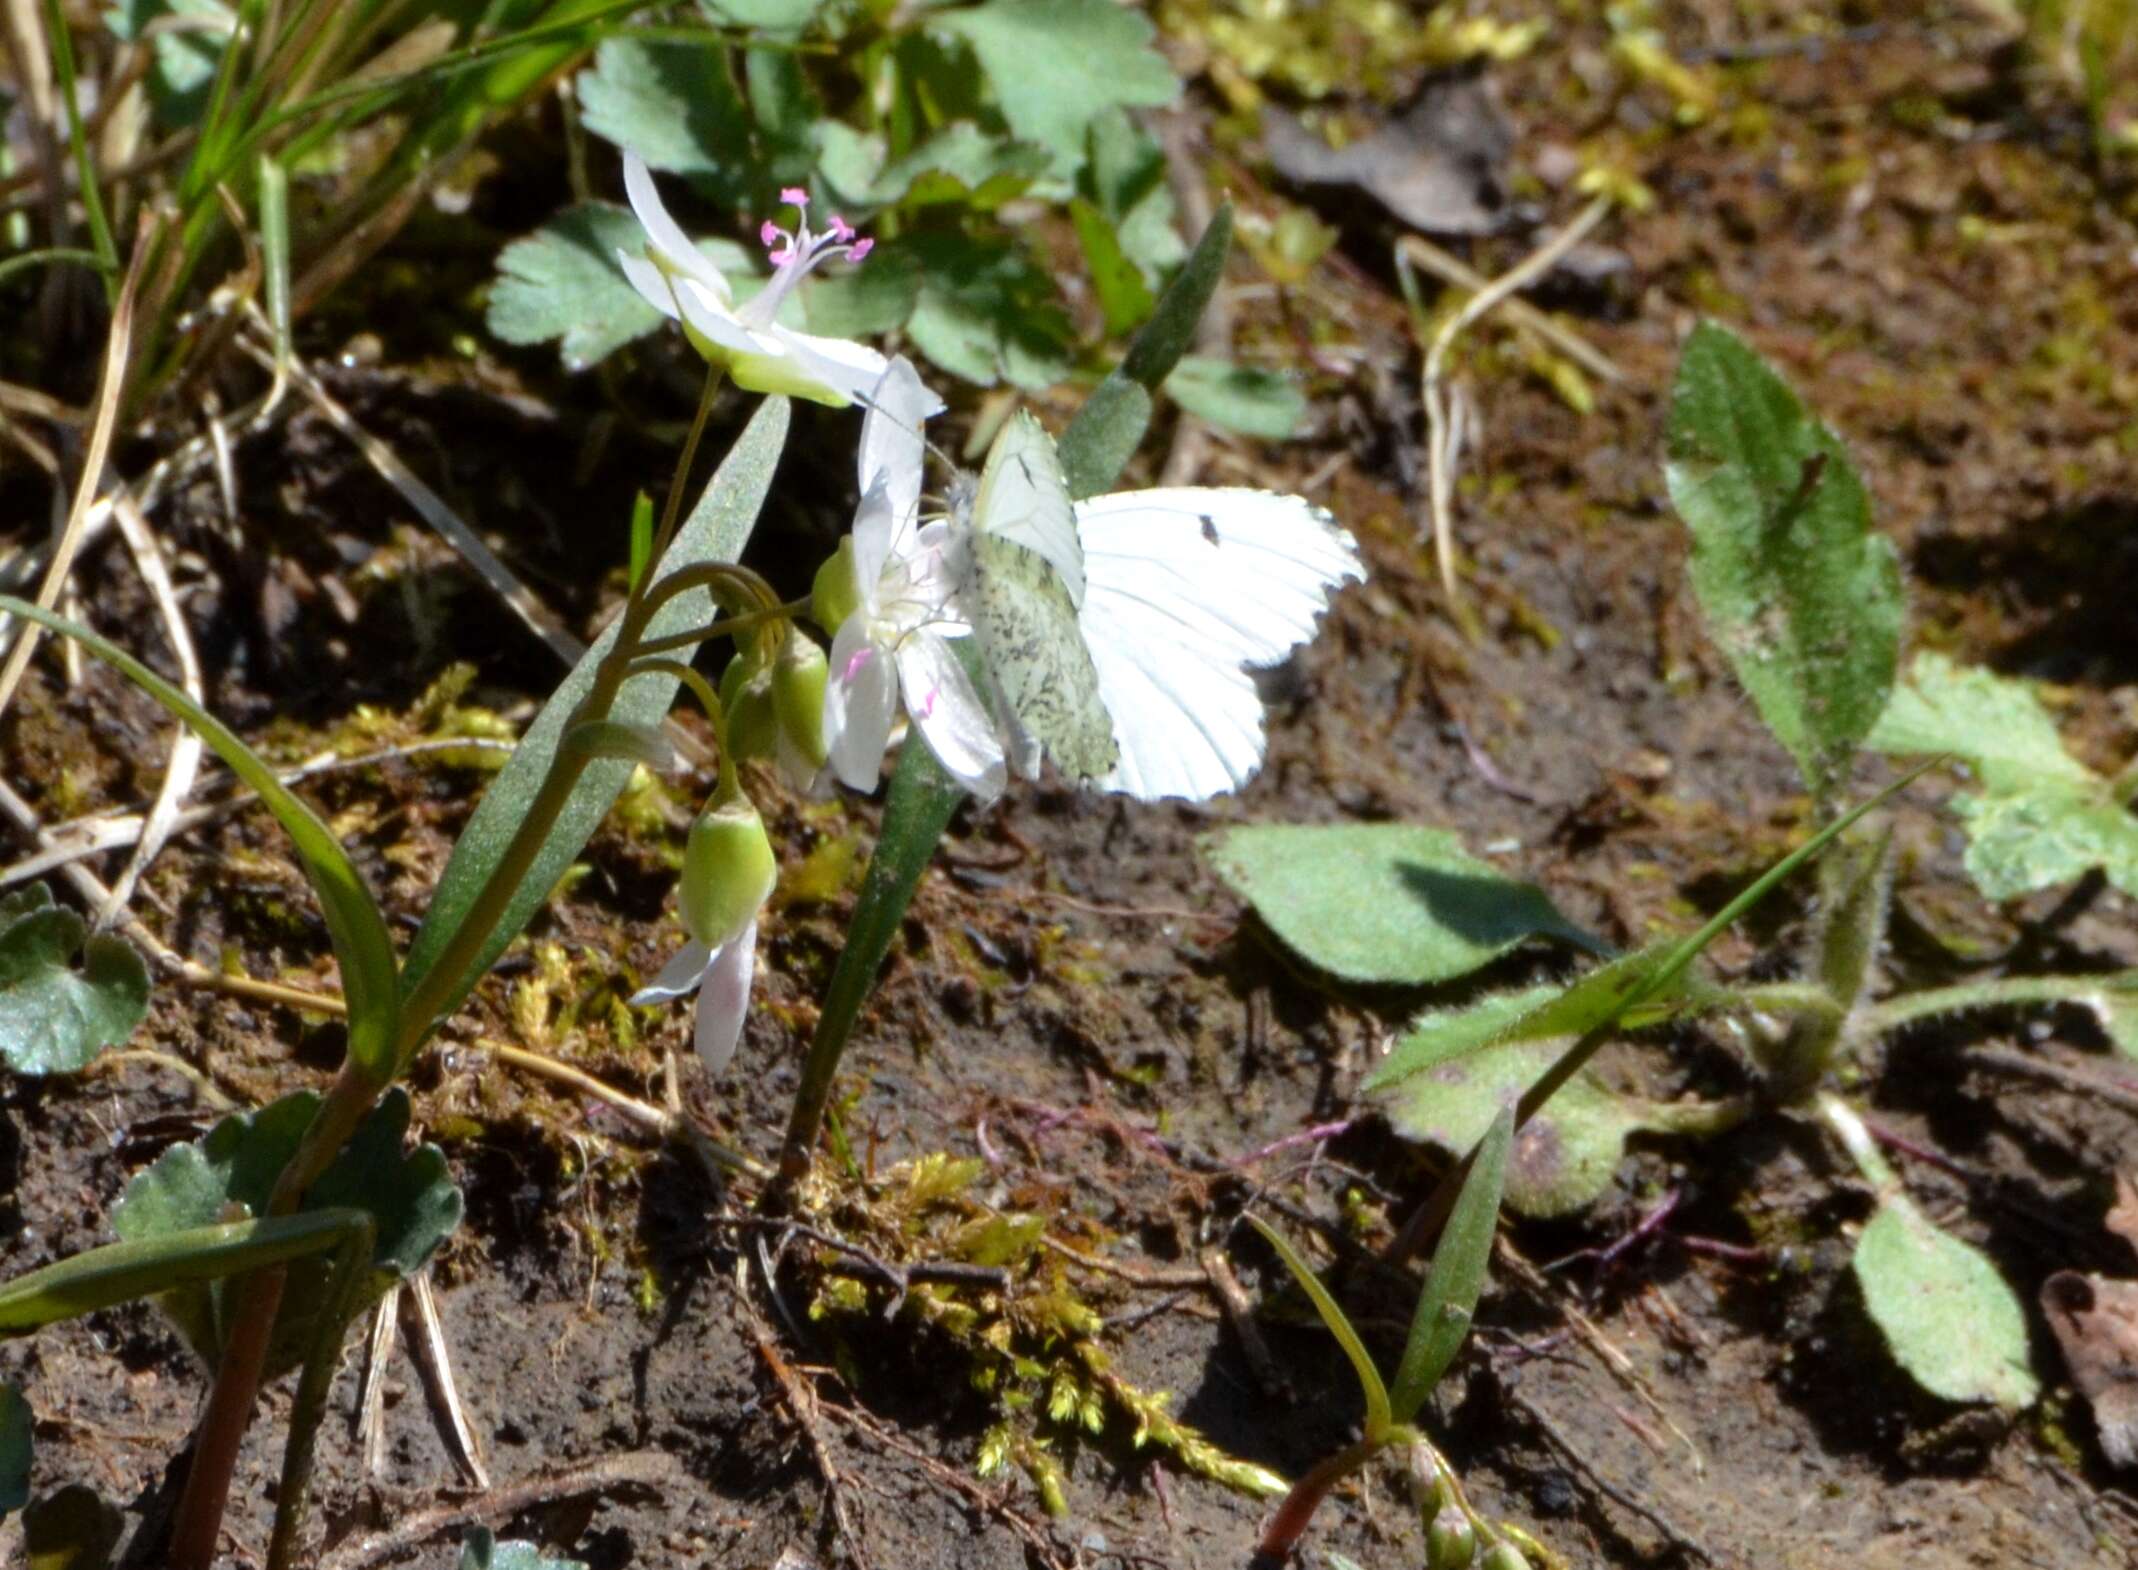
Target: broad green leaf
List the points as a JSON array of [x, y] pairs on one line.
[[985, 311], [1123, 295], [1456, 1278], [54, 1018], [1799, 593], [2041, 817], [866, 301], [959, 164], [674, 103], [787, 111], [368, 979], [1950, 1319], [562, 282], [770, 16], [1380, 1415], [480, 1550], [1238, 398], [1057, 65], [717, 529], [14, 1451], [1563, 1157], [409, 1196], [1383, 902], [1126, 177], [71, 1528]]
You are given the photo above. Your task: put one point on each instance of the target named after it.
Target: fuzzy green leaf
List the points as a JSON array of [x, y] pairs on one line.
[[674, 103], [562, 282], [1057, 65], [54, 1018], [1238, 398], [1950, 1319], [1802, 597], [369, 980], [409, 1195], [1456, 1278], [716, 530], [1384, 902], [14, 1451], [480, 1550], [2041, 817], [987, 312]]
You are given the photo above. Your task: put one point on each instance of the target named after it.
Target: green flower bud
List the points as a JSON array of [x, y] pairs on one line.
[[746, 701], [1451, 1541], [1430, 1489], [798, 678], [728, 871], [1504, 1556], [836, 593]]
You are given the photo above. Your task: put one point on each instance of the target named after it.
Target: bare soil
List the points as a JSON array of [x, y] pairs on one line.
[[1915, 233]]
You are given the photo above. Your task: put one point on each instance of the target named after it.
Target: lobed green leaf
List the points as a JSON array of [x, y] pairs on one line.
[[55, 1018]]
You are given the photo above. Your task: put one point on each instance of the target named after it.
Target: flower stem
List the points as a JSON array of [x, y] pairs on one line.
[[1290, 1522], [673, 510]]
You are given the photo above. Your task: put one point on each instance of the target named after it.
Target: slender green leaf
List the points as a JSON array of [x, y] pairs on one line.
[[143, 1267], [369, 982], [1803, 597], [2041, 817], [716, 531], [1384, 902], [1456, 1278], [1380, 1416], [1123, 295], [14, 1451], [1950, 1319], [55, 1018]]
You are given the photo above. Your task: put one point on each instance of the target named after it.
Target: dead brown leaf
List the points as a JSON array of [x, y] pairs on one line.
[[2096, 1323]]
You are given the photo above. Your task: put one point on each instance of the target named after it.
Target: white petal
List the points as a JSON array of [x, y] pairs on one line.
[[725, 998], [843, 370], [891, 443], [952, 718], [860, 701], [876, 523], [681, 974], [668, 239], [651, 283]]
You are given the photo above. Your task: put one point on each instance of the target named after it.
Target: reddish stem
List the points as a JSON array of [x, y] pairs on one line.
[[1289, 1524]]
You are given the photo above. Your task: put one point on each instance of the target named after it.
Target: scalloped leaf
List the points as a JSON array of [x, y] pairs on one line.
[[1384, 902], [410, 1196], [1947, 1315], [2041, 817], [54, 1016]]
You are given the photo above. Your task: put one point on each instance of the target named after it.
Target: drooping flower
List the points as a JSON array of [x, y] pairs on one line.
[[728, 874], [759, 353], [895, 641]]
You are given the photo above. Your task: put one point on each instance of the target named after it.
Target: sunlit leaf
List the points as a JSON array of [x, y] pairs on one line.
[[1380, 1416], [480, 1550], [675, 104], [1126, 178], [1383, 902], [771, 16], [1056, 65], [987, 312], [2041, 817], [54, 1017], [1801, 595], [562, 282], [410, 1196], [188, 40], [1122, 294], [1456, 1278], [1950, 1319], [1241, 398]]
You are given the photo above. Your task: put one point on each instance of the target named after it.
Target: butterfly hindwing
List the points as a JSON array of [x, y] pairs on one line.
[[1035, 655]]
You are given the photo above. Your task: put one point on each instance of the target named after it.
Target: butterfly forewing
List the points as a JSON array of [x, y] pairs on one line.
[[1024, 497]]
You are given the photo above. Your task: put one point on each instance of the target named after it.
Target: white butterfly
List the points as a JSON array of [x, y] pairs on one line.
[[1177, 593]]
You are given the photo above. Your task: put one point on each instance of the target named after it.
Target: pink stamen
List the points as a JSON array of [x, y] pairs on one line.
[[859, 249], [794, 196], [841, 230], [770, 233]]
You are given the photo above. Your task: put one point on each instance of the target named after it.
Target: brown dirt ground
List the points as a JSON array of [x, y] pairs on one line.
[[1911, 232]]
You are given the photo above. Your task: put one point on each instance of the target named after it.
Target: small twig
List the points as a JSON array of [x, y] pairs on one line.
[[802, 1405], [1442, 439], [369, 1418], [900, 1278], [2025, 1065], [651, 1469], [713, 1155], [1675, 1535], [1316, 1135], [1240, 1314], [433, 1358], [1451, 269], [203, 1086]]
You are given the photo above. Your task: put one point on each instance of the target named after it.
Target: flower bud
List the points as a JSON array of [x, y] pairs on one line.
[[728, 871], [836, 593], [798, 678], [1504, 1556], [746, 703], [1430, 1489], [1451, 1541]]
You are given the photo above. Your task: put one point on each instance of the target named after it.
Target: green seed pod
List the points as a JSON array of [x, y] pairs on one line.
[[798, 678], [752, 724], [1430, 1490], [728, 871], [836, 593], [1504, 1556], [1451, 1541]]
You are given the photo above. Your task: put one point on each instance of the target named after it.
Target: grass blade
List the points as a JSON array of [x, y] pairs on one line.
[[1380, 1415], [369, 978]]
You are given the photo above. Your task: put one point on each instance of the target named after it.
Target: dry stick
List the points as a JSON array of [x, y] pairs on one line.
[[1450, 269], [434, 1363], [93, 892], [94, 833], [713, 1155], [369, 1418], [184, 765], [1440, 480], [1673, 1534], [2023, 1065], [116, 346], [654, 1469]]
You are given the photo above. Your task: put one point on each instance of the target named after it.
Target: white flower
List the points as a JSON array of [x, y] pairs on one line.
[[896, 641], [728, 873], [761, 355]]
